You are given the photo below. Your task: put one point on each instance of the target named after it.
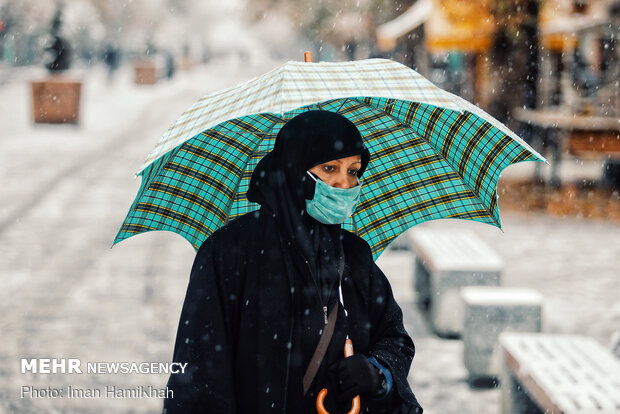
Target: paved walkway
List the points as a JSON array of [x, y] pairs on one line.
[[66, 294]]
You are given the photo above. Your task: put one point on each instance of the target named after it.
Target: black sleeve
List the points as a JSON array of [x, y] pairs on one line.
[[204, 339], [391, 345]]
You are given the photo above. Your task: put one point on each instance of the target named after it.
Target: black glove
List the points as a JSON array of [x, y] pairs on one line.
[[356, 375]]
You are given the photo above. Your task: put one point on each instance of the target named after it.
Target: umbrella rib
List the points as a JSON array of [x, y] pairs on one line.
[[477, 196], [357, 233], [277, 95], [225, 127], [344, 101]]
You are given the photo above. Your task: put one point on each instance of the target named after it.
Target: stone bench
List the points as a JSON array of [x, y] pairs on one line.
[[489, 311], [445, 262], [560, 374]]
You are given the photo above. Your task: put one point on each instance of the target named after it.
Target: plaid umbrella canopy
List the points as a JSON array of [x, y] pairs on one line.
[[433, 154]]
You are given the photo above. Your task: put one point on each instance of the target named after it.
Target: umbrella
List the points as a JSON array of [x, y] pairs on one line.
[[433, 154]]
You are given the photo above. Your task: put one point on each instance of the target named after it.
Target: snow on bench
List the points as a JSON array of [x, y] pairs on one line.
[[567, 374], [446, 261], [489, 311]]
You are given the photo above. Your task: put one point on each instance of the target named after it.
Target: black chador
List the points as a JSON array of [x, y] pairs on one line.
[[254, 309]]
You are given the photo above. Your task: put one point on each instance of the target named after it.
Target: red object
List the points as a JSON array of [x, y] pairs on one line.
[[308, 56]]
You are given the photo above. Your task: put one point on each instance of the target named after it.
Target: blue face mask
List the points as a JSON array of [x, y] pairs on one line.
[[331, 205]]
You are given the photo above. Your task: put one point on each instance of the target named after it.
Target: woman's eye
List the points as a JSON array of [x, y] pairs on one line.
[[328, 168], [353, 172]]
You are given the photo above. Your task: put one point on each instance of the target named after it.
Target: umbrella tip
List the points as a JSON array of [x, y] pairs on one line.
[[307, 56]]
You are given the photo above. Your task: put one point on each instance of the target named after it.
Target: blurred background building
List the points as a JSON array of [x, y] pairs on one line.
[[564, 51], [549, 69]]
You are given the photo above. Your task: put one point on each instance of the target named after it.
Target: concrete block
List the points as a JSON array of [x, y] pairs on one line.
[[489, 311], [558, 373], [447, 261]]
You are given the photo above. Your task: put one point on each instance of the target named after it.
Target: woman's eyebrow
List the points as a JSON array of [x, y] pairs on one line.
[[342, 162]]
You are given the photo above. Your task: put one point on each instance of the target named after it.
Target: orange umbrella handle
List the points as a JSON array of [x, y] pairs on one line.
[[356, 404]]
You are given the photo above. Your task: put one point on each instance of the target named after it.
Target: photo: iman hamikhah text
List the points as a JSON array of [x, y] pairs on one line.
[[109, 391]]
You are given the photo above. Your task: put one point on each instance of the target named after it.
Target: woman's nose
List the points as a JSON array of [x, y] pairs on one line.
[[342, 181]]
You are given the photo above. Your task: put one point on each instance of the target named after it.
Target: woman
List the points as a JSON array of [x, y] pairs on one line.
[[261, 287]]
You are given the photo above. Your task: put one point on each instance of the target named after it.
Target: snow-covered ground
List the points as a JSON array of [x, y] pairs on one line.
[[65, 293], [574, 264]]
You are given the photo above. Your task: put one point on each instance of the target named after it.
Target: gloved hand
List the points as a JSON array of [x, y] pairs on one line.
[[356, 375]]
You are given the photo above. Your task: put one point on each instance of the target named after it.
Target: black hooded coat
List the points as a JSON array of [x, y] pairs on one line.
[[254, 309]]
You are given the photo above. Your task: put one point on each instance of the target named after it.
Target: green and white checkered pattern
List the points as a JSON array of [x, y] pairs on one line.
[[427, 162], [298, 84]]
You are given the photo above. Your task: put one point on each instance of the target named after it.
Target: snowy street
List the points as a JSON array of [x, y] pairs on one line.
[[66, 294]]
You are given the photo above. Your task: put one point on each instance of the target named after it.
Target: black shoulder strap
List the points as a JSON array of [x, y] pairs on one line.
[[326, 336]]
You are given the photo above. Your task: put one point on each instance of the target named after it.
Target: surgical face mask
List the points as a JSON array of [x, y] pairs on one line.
[[331, 205]]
